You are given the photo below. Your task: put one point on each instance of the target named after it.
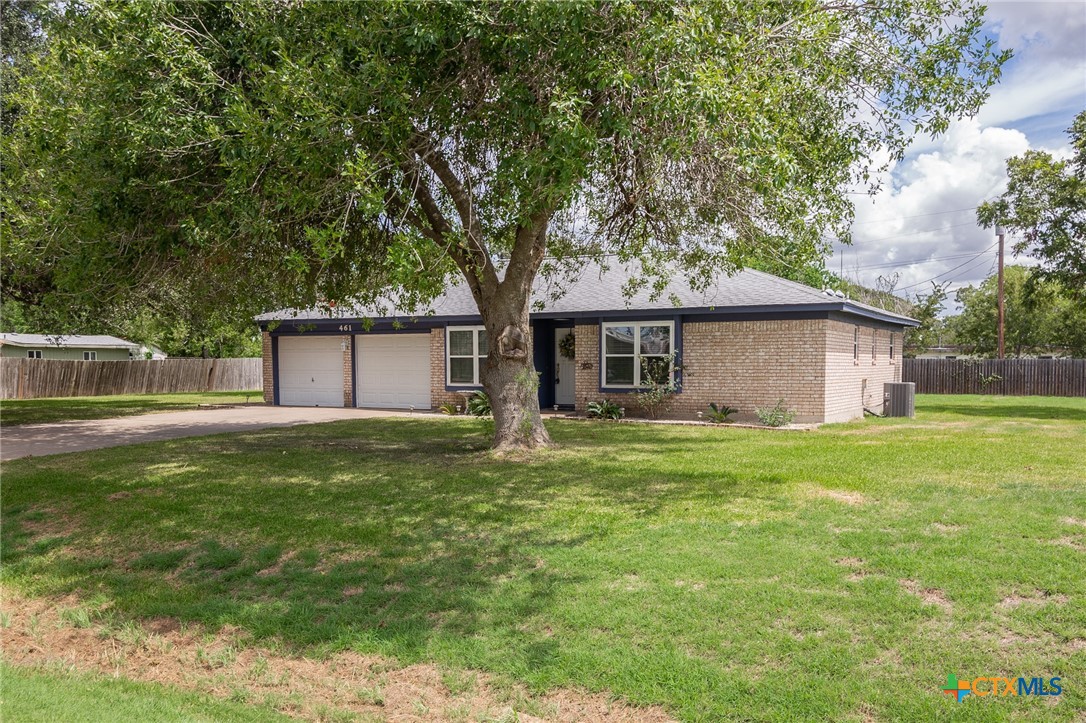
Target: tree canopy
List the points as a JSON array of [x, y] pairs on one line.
[[267, 154], [1045, 205], [1041, 316]]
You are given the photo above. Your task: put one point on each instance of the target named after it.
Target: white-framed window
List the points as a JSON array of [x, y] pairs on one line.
[[466, 348], [856, 344], [33, 353], [874, 345], [633, 349], [90, 356], [892, 337]]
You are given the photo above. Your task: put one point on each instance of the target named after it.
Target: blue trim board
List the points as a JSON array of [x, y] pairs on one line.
[[733, 313], [275, 370]]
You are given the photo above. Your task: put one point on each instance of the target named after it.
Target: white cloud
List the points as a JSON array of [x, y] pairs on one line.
[[923, 223], [1044, 31]]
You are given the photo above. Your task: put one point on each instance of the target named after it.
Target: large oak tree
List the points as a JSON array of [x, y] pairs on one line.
[[259, 154]]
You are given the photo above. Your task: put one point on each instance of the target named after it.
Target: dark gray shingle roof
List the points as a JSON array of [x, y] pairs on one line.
[[595, 290]]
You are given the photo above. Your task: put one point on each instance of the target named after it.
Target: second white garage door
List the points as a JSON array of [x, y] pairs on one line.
[[310, 371], [393, 371]]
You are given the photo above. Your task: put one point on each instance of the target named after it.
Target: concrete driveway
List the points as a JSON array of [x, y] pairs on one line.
[[41, 439]]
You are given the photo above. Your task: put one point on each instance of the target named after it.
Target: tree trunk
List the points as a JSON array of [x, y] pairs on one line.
[[510, 378]]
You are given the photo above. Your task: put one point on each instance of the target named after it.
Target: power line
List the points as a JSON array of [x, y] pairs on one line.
[[949, 271], [911, 233], [919, 215], [890, 264]]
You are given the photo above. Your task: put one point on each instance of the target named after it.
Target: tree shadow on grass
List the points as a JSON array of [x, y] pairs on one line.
[[398, 537]]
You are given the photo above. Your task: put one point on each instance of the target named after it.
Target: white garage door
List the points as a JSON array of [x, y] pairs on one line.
[[393, 370], [310, 371]]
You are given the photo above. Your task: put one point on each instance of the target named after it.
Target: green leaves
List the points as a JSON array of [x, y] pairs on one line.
[[172, 145], [1044, 206]]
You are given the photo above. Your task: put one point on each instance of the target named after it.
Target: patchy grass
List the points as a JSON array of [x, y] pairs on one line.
[[63, 409], [721, 573], [32, 696]]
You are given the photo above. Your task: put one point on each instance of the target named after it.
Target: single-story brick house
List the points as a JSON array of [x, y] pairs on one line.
[[70, 347], [746, 341]]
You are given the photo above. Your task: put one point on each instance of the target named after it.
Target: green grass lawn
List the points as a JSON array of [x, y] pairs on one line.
[[722, 573], [63, 409], [37, 697]]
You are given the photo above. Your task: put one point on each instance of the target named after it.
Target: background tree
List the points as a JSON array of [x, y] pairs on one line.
[[292, 153], [1042, 317], [1045, 204]]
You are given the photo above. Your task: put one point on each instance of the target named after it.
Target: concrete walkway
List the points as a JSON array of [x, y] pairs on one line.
[[57, 438]]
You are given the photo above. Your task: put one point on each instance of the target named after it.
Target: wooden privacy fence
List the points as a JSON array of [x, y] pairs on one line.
[[1044, 377], [36, 378]]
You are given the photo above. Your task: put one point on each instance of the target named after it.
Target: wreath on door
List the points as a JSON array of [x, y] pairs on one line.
[[568, 346]]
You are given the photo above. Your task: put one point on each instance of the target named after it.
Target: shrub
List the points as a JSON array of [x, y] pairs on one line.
[[777, 416], [479, 405], [719, 415], [605, 410], [656, 396], [449, 408]]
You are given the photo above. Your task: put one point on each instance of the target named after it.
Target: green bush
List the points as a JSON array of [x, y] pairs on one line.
[[479, 405], [605, 410], [719, 415], [777, 416]]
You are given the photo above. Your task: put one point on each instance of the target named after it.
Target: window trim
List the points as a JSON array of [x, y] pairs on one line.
[[477, 365], [674, 344], [893, 359], [874, 346], [33, 353], [856, 344], [90, 356]]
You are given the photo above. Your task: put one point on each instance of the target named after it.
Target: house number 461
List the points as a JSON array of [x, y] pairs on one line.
[[345, 327]]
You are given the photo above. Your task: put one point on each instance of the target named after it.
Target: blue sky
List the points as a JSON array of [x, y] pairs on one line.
[[922, 224]]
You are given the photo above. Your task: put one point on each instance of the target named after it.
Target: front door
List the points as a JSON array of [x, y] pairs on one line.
[[565, 370]]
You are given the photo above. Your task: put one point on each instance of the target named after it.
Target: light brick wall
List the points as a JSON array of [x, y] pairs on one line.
[[752, 364], [269, 381], [745, 364], [857, 383], [438, 395], [348, 375]]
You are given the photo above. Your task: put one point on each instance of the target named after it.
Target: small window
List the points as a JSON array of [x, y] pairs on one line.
[[856, 344], [466, 348], [635, 351], [90, 356], [892, 337], [33, 353], [874, 345]]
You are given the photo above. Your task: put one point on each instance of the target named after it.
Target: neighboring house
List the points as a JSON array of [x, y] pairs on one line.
[[746, 341], [151, 352], [78, 347]]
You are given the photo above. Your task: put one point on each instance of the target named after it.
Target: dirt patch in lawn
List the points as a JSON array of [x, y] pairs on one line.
[[44, 633], [849, 498], [1036, 597], [929, 595], [856, 565]]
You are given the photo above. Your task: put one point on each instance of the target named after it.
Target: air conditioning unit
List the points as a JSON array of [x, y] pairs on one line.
[[899, 399]]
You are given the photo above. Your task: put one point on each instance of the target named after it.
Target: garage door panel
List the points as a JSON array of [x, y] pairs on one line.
[[310, 371], [393, 370]]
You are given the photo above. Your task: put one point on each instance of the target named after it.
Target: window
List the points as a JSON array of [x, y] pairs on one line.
[[466, 348], [90, 356], [874, 345], [634, 351], [856, 345], [33, 353], [892, 335]]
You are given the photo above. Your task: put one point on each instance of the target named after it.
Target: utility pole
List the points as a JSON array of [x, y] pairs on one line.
[[999, 233]]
